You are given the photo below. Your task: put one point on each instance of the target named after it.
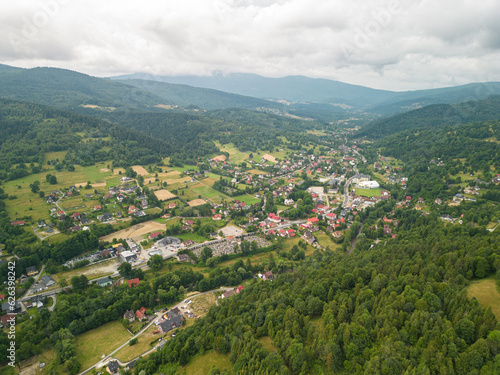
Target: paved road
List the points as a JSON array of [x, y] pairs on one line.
[[109, 357]]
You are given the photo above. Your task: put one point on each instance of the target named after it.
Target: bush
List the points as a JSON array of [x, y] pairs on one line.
[[133, 341]]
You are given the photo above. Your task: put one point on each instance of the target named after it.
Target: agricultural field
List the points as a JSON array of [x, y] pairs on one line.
[[143, 344], [91, 345], [486, 292], [201, 364]]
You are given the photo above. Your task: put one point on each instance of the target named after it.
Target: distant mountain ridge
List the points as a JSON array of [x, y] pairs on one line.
[[335, 93]]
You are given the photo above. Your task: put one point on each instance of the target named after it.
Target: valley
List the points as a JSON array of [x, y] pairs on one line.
[[227, 235]]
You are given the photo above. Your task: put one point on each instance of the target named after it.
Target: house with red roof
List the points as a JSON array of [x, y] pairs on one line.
[[313, 220], [291, 233], [17, 223], [217, 217], [240, 288], [141, 314], [132, 209], [133, 282], [154, 235]]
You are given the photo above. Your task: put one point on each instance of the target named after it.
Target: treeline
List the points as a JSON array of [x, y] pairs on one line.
[[400, 307]]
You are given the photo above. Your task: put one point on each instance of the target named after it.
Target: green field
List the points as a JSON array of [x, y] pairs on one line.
[[91, 345], [324, 240], [486, 292], [201, 364], [368, 192], [248, 199], [128, 352]]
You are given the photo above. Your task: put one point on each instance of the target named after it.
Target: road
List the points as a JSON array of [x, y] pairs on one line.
[[346, 188], [104, 362]]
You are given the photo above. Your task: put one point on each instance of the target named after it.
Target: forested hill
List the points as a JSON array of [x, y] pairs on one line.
[[28, 131], [435, 116], [400, 307], [195, 132], [68, 89], [184, 95]]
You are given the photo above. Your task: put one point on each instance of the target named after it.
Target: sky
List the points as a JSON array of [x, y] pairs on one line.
[[385, 44]]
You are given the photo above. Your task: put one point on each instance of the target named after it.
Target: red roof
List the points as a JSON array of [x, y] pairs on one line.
[[313, 220], [140, 315], [133, 282], [153, 235], [240, 288]]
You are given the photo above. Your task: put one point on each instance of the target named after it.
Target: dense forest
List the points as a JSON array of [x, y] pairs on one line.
[[28, 131], [434, 116], [400, 307]]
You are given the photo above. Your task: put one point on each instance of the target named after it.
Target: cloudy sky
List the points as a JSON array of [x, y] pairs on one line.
[[389, 44]]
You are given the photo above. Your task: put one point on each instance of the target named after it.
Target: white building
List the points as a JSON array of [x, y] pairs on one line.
[[368, 184]]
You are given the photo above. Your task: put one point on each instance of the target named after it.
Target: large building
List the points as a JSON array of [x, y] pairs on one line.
[[369, 184], [128, 256]]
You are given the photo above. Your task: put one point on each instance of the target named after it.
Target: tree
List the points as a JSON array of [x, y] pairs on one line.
[[125, 269], [205, 254], [35, 186], [155, 262]]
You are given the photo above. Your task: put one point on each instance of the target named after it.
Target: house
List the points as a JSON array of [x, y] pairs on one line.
[[16, 308], [337, 234], [17, 223], [438, 201], [184, 258], [387, 230], [41, 224], [129, 315], [240, 288], [48, 280], [141, 314], [104, 282], [267, 276], [154, 235], [173, 319], [313, 220], [217, 217], [112, 367], [85, 221], [171, 205], [187, 244], [227, 294], [6, 319], [97, 208], [133, 282], [31, 271], [106, 216]]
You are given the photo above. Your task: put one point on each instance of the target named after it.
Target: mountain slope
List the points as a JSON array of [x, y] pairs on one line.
[[184, 95], [68, 89], [435, 116]]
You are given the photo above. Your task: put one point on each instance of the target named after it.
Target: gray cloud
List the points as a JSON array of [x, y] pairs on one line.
[[387, 44]]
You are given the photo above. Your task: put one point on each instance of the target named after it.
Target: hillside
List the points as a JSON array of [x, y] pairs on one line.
[[28, 131], [68, 89], [184, 95], [434, 116]]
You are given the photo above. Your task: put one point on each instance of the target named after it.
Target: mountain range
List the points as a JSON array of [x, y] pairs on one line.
[[337, 94]]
